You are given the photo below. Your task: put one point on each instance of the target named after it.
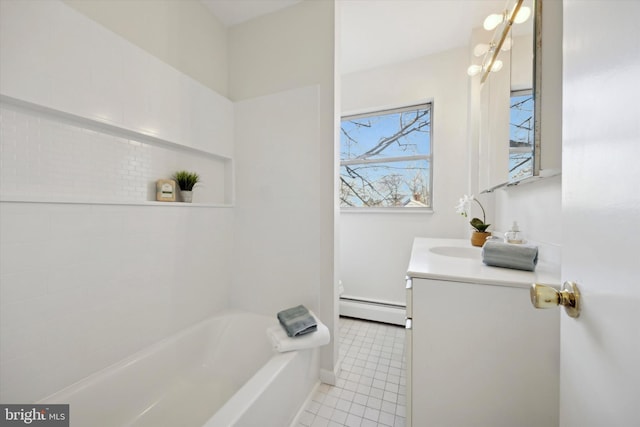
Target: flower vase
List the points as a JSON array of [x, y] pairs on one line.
[[187, 196], [479, 237]]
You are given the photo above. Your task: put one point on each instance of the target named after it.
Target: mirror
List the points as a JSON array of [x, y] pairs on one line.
[[510, 132], [522, 161]]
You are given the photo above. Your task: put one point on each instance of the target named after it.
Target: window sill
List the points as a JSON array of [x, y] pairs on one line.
[[400, 211]]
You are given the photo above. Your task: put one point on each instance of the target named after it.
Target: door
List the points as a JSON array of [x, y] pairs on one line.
[[600, 350]]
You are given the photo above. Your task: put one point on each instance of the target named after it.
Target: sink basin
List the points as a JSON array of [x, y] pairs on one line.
[[457, 251]]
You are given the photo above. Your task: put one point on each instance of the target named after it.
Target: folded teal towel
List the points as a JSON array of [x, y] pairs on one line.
[[507, 255], [297, 321]]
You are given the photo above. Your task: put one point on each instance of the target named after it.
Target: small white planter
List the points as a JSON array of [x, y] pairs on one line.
[[187, 196]]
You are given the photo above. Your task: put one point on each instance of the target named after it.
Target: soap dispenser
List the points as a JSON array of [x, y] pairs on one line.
[[513, 235]]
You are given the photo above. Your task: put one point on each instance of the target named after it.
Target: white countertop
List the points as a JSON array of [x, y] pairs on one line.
[[429, 261]]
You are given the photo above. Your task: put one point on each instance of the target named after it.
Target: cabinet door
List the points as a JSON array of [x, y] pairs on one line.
[[482, 356]]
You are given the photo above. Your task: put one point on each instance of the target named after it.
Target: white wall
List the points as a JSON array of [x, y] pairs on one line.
[[287, 49], [184, 34], [375, 247], [282, 72], [86, 282], [537, 207], [277, 211]]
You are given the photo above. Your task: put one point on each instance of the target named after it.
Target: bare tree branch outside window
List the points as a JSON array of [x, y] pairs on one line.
[[521, 135], [385, 159]]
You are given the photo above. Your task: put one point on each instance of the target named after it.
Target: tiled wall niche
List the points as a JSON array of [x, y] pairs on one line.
[[48, 158]]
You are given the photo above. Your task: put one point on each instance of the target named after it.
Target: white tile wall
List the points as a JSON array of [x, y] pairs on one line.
[[82, 286], [76, 66], [42, 156]]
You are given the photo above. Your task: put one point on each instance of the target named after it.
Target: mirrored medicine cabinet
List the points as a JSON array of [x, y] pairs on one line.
[[519, 141]]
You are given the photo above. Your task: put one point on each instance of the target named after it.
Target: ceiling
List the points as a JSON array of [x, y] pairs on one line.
[[379, 32]]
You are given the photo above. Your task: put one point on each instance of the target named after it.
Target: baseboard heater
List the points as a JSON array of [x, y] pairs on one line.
[[370, 309]]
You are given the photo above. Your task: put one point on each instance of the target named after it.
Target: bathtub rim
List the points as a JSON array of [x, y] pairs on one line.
[[248, 394]]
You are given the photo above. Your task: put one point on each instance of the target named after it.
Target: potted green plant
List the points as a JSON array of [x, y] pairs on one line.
[[186, 181], [479, 236]]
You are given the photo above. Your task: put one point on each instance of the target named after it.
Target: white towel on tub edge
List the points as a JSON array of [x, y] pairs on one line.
[[283, 343]]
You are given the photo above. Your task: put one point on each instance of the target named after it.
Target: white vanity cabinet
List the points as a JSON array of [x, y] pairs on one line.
[[479, 354]]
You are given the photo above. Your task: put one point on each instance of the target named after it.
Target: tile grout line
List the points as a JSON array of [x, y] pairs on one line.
[[370, 390]]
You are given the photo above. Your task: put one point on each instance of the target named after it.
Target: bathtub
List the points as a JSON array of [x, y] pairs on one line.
[[220, 372]]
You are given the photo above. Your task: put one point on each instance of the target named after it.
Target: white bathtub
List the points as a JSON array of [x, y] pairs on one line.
[[220, 372]]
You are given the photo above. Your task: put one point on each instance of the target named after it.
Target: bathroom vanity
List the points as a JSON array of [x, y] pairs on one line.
[[478, 353]]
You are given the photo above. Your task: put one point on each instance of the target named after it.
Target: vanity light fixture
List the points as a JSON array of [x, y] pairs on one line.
[[481, 49], [490, 62], [507, 45], [486, 51], [496, 66], [475, 69], [492, 21], [522, 15]]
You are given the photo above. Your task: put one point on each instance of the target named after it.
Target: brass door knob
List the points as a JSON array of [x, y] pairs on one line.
[[543, 296]]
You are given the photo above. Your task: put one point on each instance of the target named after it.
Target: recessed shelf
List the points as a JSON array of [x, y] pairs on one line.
[[222, 166], [105, 127], [62, 200]]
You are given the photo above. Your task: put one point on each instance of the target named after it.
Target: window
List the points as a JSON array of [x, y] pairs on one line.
[[521, 135], [385, 159]]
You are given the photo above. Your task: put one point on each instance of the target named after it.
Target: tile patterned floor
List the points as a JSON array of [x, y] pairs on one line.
[[370, 390]]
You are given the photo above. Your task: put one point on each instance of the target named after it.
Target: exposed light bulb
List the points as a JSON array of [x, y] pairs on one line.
[[523, 14], [507, 44], [480, 49], [497, 66], [492, 21], [473, 70]]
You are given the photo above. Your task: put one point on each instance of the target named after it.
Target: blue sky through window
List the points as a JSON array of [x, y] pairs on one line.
[[521, 136], [361, 135], [385, 159]]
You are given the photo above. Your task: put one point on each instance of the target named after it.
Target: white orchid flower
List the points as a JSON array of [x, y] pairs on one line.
[[463, 205]]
